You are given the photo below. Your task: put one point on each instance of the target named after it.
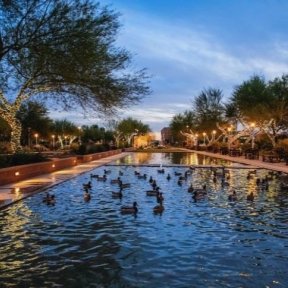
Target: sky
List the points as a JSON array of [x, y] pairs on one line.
[[191, 45]]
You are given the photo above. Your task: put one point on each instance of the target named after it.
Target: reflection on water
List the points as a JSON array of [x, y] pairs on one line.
[[175, 158], [208, 243]]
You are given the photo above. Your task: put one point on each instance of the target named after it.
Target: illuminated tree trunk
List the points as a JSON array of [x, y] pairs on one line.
[[8, 112], [16, 129], [16, 136]]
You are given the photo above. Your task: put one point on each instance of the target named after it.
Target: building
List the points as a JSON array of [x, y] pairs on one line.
[[166, 136]]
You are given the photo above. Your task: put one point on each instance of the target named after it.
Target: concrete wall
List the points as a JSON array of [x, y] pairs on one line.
[[22, 172]]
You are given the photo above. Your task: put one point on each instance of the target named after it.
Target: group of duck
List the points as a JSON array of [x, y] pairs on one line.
[[197, 193]]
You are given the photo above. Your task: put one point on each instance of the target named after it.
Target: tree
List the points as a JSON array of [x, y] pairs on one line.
[[34, 119], [208, 109], [94, 133], [65, 131], [128, 128], [182, 122], [63, 51], [264, 105], [252, 99]]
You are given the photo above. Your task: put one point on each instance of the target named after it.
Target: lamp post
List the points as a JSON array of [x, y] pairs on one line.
[[213, 135], [229, 130], [36, 138], [29, 137], [204, 136], [252, 125], [196, 140], [53, 141], [79, 129]]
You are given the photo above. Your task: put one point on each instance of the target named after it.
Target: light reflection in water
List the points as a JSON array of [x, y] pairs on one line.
[[209, 243]]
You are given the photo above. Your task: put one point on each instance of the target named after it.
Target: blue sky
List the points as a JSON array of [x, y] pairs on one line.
[[190, 45]]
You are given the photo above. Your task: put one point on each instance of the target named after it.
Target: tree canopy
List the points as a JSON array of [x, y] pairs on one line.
[[64, 51]]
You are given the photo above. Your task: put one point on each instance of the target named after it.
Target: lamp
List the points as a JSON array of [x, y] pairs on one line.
[[36, 138]]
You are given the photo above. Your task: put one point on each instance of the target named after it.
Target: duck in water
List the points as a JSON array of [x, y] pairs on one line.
[[129, 209], [87, 195], [233, 196], [250, 197]]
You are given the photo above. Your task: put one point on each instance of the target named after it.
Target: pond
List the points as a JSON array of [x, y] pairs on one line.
[[211, 242]]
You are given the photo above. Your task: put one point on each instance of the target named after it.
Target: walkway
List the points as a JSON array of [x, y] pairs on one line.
[[14, 192], [281, 166]]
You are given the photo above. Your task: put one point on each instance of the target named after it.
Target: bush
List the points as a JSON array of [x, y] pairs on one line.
[[91, 148], [21, 159], [5, 148]]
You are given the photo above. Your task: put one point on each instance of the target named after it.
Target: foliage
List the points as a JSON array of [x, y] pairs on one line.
[[63, 51], [5, 130], [91, 148], [5, 147], [20, 159], [34, 118], [182, 122], [208, 109], [251, 98], [93, 133], [127, 128]]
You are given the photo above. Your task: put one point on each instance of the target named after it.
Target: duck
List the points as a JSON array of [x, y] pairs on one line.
[[224, 183], [190, 189], [151, 179], [115, 181], [154, 184], [94, 175], [103, 178], [124, 185], [250, 197], [161, 171], [144, 176], [168, 177], [129, 209], [158, 209], [117, 194], [121, 173], [233, 196], [177, 173], [87, 185], [107, 171], [198, 195], [87, 196], [153, 192], [160, 198], [49, 199]]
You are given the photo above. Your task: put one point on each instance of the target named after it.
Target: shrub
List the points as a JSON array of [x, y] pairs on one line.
[[21, 159], [5, 148]]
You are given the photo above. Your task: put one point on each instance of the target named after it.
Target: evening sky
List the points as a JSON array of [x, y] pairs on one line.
[[191, 45]]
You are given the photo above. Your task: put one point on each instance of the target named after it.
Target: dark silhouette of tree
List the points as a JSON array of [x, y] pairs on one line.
[[208, 109], [34, 119]]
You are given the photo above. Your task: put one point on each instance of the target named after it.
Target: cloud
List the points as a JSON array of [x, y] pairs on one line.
[[184, 59], [187, 50]]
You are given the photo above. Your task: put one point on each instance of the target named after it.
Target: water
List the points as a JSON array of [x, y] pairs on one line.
[[209, 243]]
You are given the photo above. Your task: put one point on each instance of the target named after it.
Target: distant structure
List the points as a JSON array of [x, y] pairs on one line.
[[166, 136], [143, 140]]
